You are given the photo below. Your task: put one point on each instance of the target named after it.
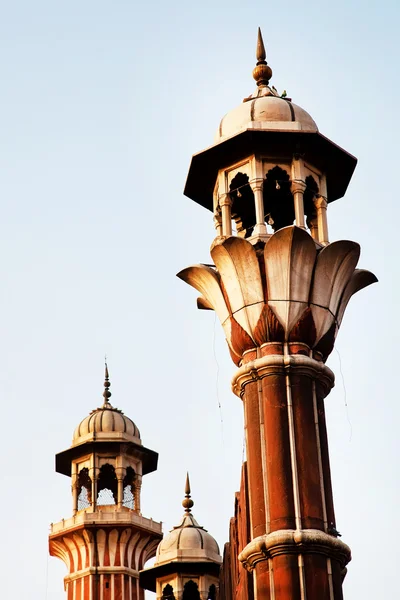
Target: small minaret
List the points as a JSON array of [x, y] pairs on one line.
[[187, 563], [107, 541], [280, 290]]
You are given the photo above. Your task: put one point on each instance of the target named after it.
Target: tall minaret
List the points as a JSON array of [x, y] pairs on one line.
[[280, 289], [107, 540]]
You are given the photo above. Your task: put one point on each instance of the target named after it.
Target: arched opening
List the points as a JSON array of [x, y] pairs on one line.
[[278, 199], [168, 593], [212, 592], [191, 591], [310, 210], [107, 486], [84, 489], [129, 489], [243, 207]]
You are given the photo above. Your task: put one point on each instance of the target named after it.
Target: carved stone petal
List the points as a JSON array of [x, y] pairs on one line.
[[207, 282], [203, 304], [334, 268], [359, 280], [237, 264], [289, 263]]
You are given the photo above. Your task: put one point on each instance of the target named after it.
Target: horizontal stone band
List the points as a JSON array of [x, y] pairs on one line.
[[292, 541], [278, 364], [101, 571]]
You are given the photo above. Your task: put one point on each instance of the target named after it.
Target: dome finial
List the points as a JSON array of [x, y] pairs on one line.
[[106, 393], [262, 72], [187, 503]]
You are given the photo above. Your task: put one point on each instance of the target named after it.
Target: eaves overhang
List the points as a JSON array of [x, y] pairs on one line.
[[148, 457], [313, 147], [148, 577]]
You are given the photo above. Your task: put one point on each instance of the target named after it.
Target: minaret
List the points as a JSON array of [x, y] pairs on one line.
[[107, 540], [280, 289], [187, 563]]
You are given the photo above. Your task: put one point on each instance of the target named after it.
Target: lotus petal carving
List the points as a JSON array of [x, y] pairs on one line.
[[290, 292]]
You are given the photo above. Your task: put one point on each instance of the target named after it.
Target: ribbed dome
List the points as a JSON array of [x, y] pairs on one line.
[[266, 109], [265, 112], [188, 541], [106, 424]]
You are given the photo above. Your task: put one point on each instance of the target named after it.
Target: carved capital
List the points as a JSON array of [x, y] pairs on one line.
[[320, 202], [290, 290], [225, 200], [298, 186], [278, 364], [290, 541]]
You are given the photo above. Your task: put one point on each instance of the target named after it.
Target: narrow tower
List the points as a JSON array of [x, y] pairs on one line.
[[107, 540], [188, 561], [280, 289]]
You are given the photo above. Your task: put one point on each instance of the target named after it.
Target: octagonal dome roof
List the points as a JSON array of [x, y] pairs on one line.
[[106, 423], [266, 109], [188, 541]]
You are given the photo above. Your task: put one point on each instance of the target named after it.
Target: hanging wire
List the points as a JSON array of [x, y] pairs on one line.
[[47, 577], [217, 379], [345, 394]]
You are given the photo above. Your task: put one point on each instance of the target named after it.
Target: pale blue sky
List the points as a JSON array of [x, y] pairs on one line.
[[102, 106]]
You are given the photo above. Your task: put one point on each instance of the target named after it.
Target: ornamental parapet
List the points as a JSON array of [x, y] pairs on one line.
[[292, 541], [102, 518]]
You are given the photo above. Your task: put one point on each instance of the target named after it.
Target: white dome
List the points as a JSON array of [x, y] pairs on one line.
[[188, 542], [265, 112], [106, 424]]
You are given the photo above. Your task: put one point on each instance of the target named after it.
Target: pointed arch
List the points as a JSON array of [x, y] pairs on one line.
[[191, 591]]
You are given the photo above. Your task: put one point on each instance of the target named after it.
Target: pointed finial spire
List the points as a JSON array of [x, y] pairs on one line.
[[262, 72], [187, 503], [260, 53], [106, 393]]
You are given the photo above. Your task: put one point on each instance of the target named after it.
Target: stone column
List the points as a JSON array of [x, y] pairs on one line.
[[93, 476], [74, 488], [298, 188], [226, 204], [120, 493], [321, 205], [137, 488], [292, 551], [260, 227], [218, 223]]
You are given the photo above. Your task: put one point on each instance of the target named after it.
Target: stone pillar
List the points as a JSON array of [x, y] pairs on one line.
[[93, 476], [226, 204], [298, 188], [120, 492], [260, 227], [74, 488], [292, 551], [218, 223], [137, 488]]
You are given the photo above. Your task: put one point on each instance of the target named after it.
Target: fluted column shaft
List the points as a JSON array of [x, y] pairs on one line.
[[290, 491]]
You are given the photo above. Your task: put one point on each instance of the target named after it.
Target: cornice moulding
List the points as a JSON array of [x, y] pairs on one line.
[[302, 541], [279, 364]]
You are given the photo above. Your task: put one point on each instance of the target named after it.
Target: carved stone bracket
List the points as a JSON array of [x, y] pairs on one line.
[[281, 364], [291, 541]]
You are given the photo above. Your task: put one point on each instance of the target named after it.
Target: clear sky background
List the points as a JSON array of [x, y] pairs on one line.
[[102, 105]]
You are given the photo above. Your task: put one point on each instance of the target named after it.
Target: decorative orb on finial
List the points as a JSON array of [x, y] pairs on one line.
[[187, 502], [262, 72], [106, 393]]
